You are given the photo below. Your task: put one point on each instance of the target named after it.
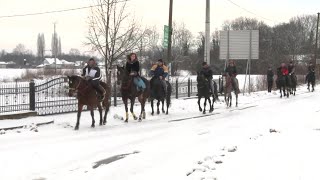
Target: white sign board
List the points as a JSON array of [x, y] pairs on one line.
[[236, 44]]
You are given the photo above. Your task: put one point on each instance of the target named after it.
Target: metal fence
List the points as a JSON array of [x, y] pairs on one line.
[[51, 96]]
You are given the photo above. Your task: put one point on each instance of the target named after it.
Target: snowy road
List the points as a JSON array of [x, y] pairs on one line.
[[164, 148]]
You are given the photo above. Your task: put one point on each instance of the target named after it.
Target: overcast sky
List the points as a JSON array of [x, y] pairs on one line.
[[72, 26]]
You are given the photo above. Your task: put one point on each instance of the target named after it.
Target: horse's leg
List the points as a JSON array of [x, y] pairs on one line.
[[131, 108], [142, 102], [158, 104], [80, 106], [152, 111], [313, 83], [230, 99], [125, 101], [100, 112], [280, 92], [200, 109], [204, 105], [237, 99], [213, 101], [106, 113], [167, 104], [92, 116], [210, 105], [162, 101], [143, 105]]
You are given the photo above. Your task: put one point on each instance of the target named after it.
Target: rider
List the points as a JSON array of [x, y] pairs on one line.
[[291, 68], [160, 71], [93, 75], [207, 73], [133, 68], [232, 71], [270, 75], [283, 71], [311, 69]]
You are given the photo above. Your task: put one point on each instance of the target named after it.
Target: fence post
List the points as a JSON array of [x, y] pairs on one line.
[[189, 84], [177, 95], [32, 94], [115, 93]]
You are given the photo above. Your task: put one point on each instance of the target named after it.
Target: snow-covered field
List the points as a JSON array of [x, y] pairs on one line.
[[265, 138]]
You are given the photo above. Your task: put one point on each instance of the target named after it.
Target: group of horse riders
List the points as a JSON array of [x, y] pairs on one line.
[[159, 70], [288, 71], [230, 70], [93, 75]]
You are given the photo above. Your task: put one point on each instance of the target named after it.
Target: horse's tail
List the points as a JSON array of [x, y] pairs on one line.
[[168, 97]]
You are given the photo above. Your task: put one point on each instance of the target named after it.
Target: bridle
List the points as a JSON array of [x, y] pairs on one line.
[[76, 89]]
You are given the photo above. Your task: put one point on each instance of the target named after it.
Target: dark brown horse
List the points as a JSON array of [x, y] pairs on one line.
[[158, 93], [129, 91], [86, 95]]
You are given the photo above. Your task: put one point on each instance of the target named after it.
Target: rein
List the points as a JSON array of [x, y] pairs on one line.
[[77, 88]]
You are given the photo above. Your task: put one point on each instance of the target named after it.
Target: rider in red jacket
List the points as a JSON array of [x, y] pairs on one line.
[[284, 69]]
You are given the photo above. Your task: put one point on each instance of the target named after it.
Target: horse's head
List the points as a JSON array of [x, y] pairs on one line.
[[122, 75], [74, 83]]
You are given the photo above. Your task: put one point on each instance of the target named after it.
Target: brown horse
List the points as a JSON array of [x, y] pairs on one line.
[[129, 91], [86, 95], [228, 88]]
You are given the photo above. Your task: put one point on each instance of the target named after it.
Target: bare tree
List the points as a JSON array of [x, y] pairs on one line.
[[74, 52], [40, 46], [182, 41], [19, 49], [59, 47], [112, 32]]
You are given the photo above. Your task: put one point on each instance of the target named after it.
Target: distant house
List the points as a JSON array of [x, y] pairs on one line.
[[52, 63], [3, 64]]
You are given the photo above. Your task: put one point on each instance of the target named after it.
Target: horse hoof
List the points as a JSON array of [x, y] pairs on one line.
[[204, 112], [167, 113], [76, 128], [140, 120], [135, 118], [104, 123], [126, 121], [152, 113], [158, 112], [200, 110], [100, 124], [163, 111], [92, 126]]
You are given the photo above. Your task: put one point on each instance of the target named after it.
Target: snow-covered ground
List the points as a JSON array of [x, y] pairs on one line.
[[268, 138]]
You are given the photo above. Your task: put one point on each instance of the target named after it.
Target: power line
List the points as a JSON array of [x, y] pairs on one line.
[[55, 11], [250, 11]]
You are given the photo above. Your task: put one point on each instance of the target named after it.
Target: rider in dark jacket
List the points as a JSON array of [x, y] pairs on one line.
[[93, 75], [160, 71], [207, 73], [270, 75]]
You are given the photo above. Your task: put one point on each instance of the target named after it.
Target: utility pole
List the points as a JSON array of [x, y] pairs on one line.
[[316, 48], [170, 36], [55, 47], [207, 34]]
